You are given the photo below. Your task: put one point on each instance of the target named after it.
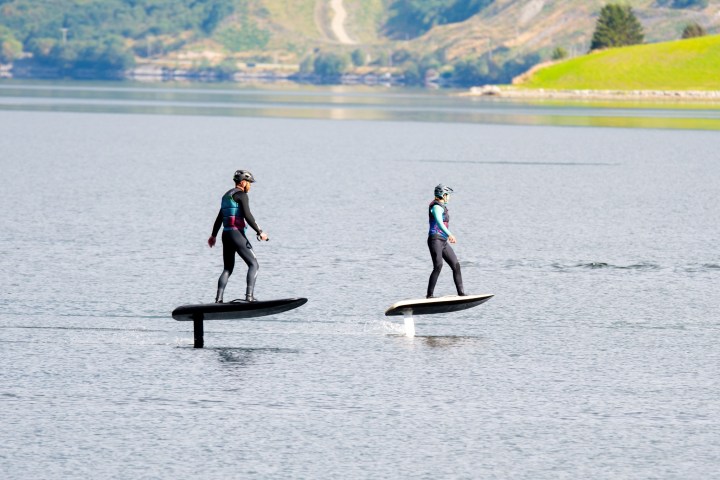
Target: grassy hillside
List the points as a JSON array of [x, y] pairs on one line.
[[301, 21], [292, 18], [365, 20], [680, 65], [506, 30], [517, 28]]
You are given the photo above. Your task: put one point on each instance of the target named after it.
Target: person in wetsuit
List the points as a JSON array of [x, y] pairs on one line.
[[439, 239], [235, 216]]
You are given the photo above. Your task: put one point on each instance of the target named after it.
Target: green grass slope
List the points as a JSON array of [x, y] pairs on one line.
[[692, 64], [365, 20], [299, 26], [295, 18]]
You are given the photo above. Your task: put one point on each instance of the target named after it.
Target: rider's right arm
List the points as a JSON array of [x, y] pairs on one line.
[[437, 212], [217, 224]]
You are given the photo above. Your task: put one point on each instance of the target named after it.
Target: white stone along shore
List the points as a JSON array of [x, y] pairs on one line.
[[506, 91]]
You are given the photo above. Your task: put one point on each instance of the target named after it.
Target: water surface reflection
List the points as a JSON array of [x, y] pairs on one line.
[[344, 103]]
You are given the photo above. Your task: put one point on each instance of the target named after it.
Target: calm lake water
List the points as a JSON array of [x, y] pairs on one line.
[[597, 358]]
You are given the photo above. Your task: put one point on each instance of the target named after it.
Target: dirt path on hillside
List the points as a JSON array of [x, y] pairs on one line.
[[338, 22]]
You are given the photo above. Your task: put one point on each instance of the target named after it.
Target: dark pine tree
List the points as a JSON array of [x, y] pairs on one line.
[[617, 27]]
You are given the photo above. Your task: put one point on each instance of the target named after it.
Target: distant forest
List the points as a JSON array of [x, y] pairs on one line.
[[102, 35]]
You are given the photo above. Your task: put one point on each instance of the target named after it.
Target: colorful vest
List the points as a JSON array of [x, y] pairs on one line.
[[435, 230], [231, 212]]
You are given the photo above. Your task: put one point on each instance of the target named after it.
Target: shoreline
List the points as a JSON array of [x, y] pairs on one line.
[[385, 79], [512, 92], [267, 74]]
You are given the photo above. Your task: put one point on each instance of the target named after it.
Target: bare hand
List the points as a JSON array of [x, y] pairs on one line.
[[452, 239], [264, 236], [211, 241]]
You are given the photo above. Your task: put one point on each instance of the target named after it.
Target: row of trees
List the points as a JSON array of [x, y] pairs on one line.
[[417, 69]]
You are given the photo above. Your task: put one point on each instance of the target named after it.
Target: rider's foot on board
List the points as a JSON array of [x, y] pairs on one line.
[[250, 298], [430, 296]]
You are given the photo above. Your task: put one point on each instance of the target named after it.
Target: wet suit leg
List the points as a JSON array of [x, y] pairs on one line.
[[451, 259], [436, 248], [234, 242], [441, 250]]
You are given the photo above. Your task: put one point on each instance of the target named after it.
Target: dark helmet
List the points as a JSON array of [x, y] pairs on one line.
[[241, 175], [441, 190]]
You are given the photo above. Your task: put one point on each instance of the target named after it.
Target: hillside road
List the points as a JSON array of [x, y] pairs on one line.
[[338, 23]]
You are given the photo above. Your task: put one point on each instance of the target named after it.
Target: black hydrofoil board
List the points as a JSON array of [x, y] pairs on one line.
[[236, 309], [429, 306]]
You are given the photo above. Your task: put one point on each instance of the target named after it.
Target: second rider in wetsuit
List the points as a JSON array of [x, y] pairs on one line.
[[234, 216], [439, 238]]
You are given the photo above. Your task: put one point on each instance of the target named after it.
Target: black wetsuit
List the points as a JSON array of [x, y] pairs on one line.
[[233, 218], [440, 250]]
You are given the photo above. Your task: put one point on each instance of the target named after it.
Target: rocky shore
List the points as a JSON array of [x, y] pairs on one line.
[[512, 92]]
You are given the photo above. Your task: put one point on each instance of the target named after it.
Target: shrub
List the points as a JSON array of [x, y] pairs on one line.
[[358, 57], [329, 65], [400, 56], [226, 69], [470, 72], [382, 60], [559, 53], [415, 72], [10, 47], [693, 30], [412, 75]]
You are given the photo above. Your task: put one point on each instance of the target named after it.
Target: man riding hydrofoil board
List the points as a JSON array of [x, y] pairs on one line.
[[235, 216]]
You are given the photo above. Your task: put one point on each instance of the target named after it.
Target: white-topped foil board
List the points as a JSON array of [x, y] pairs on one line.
[[431, 306]]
